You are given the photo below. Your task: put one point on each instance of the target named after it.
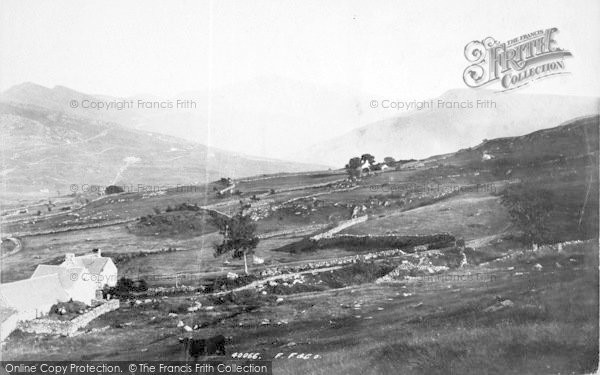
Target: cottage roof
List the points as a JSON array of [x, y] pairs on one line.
[[31, 293], [93, 263], [68, 276]]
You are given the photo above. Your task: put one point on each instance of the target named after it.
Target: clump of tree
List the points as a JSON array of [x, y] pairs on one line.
[[113, 189], [239, 235], [356, 165], [530, 208], [389, 161]]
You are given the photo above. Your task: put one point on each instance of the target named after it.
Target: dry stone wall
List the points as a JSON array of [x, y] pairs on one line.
[[69, 327]]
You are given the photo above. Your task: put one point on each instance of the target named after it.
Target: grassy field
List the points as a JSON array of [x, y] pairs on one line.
[[418, 327], [530, 312]]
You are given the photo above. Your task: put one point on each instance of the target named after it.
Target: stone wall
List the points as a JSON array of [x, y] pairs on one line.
[[68, 327]]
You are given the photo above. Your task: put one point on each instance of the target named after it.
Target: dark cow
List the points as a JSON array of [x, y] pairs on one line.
[[204, 347]]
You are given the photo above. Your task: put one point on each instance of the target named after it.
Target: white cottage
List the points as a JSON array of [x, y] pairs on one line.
[[33, 297], [101, 270], [74, 281]]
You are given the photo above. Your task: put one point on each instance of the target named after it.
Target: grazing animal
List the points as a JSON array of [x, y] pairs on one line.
[[210, 346]]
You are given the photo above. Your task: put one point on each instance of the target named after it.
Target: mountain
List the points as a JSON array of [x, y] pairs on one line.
[[264, 116], [45, 149], [445, 127]]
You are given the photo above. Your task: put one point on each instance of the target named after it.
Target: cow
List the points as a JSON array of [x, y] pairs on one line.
[[204, 347]]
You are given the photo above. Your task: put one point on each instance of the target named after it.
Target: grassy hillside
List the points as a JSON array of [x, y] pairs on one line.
[[496, 306]]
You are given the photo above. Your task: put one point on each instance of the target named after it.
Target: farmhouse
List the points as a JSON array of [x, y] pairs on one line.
[[101, 270], [77, 279]]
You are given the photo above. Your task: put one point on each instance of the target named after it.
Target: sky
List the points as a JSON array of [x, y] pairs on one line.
[[405, 49]]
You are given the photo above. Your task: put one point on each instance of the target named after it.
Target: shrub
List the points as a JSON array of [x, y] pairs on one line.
[[529, 208]]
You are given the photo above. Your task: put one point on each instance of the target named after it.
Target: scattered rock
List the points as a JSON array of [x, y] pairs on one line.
[[537, 267]]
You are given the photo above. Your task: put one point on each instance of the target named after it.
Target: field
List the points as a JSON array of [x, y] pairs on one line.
[[506, 307]]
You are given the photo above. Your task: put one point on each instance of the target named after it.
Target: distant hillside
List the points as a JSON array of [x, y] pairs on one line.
[[267, 116], [573, 139], [45, 150], [421, 133]]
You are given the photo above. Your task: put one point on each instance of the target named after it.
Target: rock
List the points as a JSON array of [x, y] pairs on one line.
[[279, 300], [380, 308], [172, 315], [180, 324], [507, 303], [537, 267], [232, 275], [264, 292], [187, 328]]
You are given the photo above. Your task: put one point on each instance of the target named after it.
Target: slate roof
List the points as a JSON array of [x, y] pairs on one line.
[[93, 263], [31, 293], [67, 276]]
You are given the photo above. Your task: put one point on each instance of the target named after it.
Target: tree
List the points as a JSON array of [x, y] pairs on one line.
[[113, 189], [389, 161], [354, 166], [530, 207], [367, 158], [239, 236]]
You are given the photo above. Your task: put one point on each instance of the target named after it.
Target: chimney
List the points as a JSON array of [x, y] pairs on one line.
[[97, 252], [69, 257]]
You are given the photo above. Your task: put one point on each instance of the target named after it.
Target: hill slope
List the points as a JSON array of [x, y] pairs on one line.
[[45, 150], [439, 130]]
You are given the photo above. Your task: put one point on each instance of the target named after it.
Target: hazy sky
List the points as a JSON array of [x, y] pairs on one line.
[[399, 48]]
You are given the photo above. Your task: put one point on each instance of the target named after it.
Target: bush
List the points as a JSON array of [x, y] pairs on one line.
[[126, 286], [66, 310], [113, 189], [529, 208]]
